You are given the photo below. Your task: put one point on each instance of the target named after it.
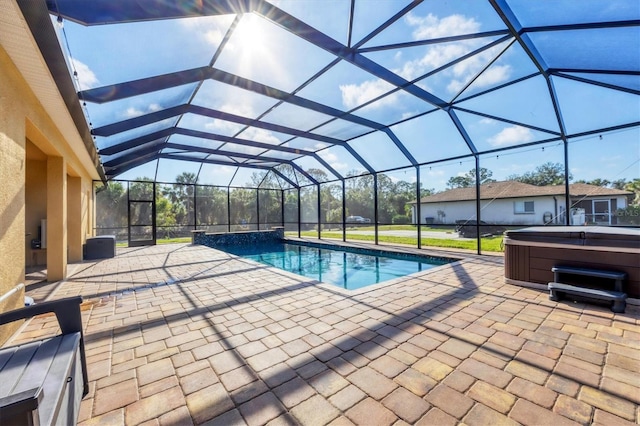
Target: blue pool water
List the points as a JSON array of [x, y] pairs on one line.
[[349, 270]]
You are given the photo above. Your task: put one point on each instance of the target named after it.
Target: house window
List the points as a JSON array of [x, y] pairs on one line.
[[523, 207]]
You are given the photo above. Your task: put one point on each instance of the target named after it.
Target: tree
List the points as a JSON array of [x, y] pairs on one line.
[[140, 213], [181, 195], [291, 206], [595, 182], [243, 206], [211, 207], [359, 194], [308, 206], [111, 207], [546, 174], [141, 189], [165, 219], [469, 178], [270, 202], [634, 186], [619, 183]]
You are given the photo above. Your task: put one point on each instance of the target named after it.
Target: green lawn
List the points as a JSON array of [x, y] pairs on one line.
[[174, 240], [493, 244], [160, 241], [398, 228]]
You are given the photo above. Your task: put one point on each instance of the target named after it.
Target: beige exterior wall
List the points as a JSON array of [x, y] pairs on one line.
[[12, 170], [57, 218], [41, 177], [74, 216]]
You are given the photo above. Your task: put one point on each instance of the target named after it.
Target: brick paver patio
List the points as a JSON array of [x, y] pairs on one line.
[[181, 334]]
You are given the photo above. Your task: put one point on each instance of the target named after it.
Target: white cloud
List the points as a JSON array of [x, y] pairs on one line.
[[487, 121], [243, 149], [86, 78], [468, 70], [213, 36], [438, 55], [434, 57], [241, 109], [229, 127], [136, 112], [221, 126], [333, 161], [207, 28], [357, 94], [260, 135], [132, 112], [494, 75], [431, 26], [511, 136], [216, 174]]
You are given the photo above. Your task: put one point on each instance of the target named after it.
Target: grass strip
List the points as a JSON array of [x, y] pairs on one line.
[[493, 244]]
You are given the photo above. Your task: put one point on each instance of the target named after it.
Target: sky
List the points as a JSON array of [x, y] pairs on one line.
[[263, 52]]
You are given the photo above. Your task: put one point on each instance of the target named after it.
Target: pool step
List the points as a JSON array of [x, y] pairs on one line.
[[557, 289]]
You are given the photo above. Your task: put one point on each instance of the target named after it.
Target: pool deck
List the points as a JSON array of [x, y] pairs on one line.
[[180, 334]]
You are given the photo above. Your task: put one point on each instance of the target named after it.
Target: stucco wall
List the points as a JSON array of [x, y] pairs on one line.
[[12, 172], [492, 211], [502, 211], [88, 216], [26, 183], [461, 210]]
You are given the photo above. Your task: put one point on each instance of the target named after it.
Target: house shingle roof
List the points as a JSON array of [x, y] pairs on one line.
[[514, 189]]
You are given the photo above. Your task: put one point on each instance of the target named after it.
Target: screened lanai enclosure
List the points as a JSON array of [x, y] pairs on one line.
[[429, 123]]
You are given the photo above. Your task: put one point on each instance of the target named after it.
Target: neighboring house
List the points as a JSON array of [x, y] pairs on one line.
[[517, 203]]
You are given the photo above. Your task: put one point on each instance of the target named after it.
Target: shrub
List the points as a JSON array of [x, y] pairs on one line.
[[400, 219]]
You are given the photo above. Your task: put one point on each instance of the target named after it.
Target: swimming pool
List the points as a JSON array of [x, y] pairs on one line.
[[349, 269]]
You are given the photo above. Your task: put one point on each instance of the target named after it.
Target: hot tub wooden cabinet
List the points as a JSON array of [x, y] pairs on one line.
[[530, 253]]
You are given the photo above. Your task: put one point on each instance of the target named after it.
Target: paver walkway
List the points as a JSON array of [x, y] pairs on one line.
[[180, 334]]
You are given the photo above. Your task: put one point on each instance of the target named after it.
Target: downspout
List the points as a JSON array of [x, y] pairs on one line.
[[11, 292]]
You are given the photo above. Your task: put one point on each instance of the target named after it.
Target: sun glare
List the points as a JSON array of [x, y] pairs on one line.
[[249, 36], [254, 51]]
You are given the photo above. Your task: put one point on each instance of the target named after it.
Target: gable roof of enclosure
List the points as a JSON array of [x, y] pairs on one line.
[[335, 85]]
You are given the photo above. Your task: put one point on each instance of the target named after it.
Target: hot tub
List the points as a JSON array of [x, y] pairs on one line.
[[530, 253]]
